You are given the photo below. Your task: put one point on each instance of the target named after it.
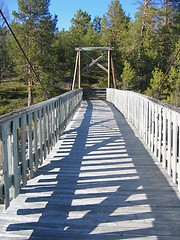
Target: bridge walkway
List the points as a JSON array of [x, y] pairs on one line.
[[99, 182]]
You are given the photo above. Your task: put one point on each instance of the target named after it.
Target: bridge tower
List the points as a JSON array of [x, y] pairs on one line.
[[77, 70]]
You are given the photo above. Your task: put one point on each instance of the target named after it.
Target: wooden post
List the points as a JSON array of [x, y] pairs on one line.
[[113, 72], [109, 68], [79, 69], [15, 159], [23, 150], [5, 165], [75, 70]]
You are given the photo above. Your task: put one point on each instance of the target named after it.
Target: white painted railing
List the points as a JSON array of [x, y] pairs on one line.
[[27, 136], [157, 123]]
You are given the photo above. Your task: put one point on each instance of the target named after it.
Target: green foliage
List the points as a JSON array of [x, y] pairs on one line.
[[114, 27], [81, 19], [35, 29], [5, 62], [128, 77], [156, 87], [145, 55], [13, 93]]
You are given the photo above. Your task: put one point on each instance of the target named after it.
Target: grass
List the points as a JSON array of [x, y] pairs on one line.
[[13, 95]]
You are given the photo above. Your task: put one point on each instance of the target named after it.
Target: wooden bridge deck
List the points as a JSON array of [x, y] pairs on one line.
[[99, 182]]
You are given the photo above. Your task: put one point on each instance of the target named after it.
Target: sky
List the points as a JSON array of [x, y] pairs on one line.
[[65, 9]]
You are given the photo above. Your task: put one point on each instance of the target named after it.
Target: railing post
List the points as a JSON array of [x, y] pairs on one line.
[[25, 138], [1, 165], [35, 141], [44, 132], [157, 123], [23, 150], [79, 72], [109, 68], [160, 134], [174, 150], [40, 135], [30, 150], [5, 161], [169, 143], [15, 159], [178, 166]]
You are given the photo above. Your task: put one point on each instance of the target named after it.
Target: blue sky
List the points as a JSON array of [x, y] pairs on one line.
[[65, 9]]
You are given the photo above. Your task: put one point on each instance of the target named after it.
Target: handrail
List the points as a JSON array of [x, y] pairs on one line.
[[157, 123], [27, 136]]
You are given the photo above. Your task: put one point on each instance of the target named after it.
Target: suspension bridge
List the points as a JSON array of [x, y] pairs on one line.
[[91, 169]]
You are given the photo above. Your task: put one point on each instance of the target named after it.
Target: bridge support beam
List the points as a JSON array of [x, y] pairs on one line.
[[109, 68], [77, 70]]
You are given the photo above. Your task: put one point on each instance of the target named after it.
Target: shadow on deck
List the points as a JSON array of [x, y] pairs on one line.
[[99, 182]]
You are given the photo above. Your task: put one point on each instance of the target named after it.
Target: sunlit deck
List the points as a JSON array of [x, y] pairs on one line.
[[98, 182]]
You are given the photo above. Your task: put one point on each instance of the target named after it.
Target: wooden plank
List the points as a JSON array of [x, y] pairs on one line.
[[109, 69], [16, 159], [79, 71], [48, 139], [113, 72], [94, 48], [97, 63], [98, 182], [5, 132], [36, 158], [160, 127], [169, 143], [164, 137], [75, 70], [30, 149], [40, 116], [23, 150], [174, 148], [94, 61]]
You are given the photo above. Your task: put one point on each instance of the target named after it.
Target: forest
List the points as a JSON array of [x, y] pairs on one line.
[[146, 51]]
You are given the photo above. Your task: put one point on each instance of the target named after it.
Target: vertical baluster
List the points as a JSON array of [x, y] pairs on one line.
[[169, 143], [178, 166], [57, 120], [53, 124], [23, 150], [147, 121], [48, 130], [150, 124], [30, 150], [174, 150], [159, 133], [10, 159], [152, 129], [60, 117], [45, 131], [164, 137], [40, 135], [15, 158], [35, 140], [5, 132], [155, 130]]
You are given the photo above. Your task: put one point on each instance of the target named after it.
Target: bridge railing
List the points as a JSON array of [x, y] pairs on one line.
[[27, 136], [157, 123]]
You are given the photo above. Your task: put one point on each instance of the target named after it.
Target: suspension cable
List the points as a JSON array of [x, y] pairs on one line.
[[22, 50]]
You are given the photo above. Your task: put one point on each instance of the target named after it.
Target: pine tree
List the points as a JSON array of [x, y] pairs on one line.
[[35, 29], [5, 61], [128, 76], [80, 24], [114, 27]]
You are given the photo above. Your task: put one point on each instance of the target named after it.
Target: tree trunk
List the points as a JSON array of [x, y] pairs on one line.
[[166, 15], [30, 97], [144, 17]]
